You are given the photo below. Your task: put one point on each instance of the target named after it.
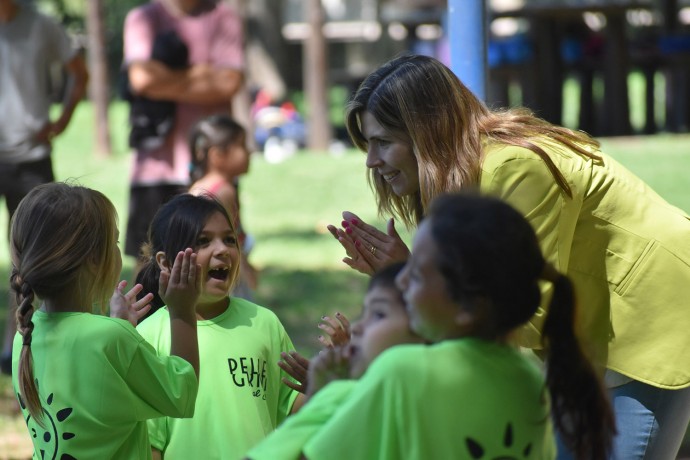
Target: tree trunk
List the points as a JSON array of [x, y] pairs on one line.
[[315, 74], [98, 72]]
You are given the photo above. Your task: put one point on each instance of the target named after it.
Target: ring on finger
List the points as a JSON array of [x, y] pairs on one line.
[[372, 250]]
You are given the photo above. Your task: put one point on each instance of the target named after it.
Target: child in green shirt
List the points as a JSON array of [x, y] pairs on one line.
[[241, 398], [383, 323], [87, 383]]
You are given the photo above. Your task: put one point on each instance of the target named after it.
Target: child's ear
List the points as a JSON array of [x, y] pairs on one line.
[[474, 317], [162, 261], [465, 319], [215, 153]]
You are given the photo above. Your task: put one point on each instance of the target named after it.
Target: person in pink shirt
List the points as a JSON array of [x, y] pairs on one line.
[[212, 32]]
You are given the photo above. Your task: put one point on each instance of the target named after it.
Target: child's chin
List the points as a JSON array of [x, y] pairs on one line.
[[213, 293], [356, 369]]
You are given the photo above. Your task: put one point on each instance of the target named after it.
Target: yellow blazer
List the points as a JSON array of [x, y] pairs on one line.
[[625, 248]]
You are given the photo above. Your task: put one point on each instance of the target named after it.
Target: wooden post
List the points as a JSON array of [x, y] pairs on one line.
[[315, 70], [98, 74]]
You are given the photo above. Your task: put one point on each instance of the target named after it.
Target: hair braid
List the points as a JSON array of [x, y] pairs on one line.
[[25, 311]]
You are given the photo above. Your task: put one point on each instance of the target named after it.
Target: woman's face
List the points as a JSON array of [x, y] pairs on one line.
[[390, 156], [433, 313]]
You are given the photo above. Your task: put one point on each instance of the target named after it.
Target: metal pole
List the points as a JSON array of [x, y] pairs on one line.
[[467, 37]]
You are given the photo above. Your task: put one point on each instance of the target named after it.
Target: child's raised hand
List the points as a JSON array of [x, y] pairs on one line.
[[328, 365], [337, 329], [126, 306], [297, 367], [180, 287]]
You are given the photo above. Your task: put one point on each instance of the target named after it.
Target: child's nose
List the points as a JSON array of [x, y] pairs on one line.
[[357, 328], [220, 248]]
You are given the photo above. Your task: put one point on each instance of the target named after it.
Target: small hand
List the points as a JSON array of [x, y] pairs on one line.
[[126, 306], [297, 367], [180, 287], [337, 329], [328, 365]]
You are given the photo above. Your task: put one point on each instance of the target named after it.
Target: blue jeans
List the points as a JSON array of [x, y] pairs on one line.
[[651, 422]]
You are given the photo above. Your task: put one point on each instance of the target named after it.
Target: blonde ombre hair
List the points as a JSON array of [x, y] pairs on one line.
[[63, 240], [420, 99]]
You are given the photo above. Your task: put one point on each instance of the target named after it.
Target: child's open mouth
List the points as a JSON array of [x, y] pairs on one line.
[[219, 273]]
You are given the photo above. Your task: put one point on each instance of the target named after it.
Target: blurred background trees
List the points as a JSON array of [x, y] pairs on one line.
[[603, 50]]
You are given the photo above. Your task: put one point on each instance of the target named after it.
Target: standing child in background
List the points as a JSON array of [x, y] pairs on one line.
[[471, 281], [383, 323], [219, 156], [241, 398], [87, 383]]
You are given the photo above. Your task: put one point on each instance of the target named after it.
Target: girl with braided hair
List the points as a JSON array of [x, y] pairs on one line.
[[87, 383]]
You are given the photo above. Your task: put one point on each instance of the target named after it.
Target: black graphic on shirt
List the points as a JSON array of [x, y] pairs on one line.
[[477, 450], [251, 373], [47, 438]]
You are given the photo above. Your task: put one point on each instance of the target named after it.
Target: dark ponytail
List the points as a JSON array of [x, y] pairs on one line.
[[581, 410], [27, 384], [492, 262], [148, 277]]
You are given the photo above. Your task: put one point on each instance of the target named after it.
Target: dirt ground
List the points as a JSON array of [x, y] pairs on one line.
[[14, 439]]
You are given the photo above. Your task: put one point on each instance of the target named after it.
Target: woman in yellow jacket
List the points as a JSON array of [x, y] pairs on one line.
[[625, 248]]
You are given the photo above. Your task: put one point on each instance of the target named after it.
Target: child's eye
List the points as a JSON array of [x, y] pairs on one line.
[[231, 240], [378, 315], [202, 240]]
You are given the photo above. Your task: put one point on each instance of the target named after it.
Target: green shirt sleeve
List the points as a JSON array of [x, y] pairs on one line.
[[288, 440]]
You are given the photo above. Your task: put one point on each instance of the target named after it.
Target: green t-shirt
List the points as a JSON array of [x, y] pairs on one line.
[[459, 399], [241, 397], [288, 440], [99, 381]]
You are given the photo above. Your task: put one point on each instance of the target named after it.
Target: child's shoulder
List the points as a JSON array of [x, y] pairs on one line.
[[159, 319], [402, 357], [247, 307], [117, 326], [212, 184], [98, 330]]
